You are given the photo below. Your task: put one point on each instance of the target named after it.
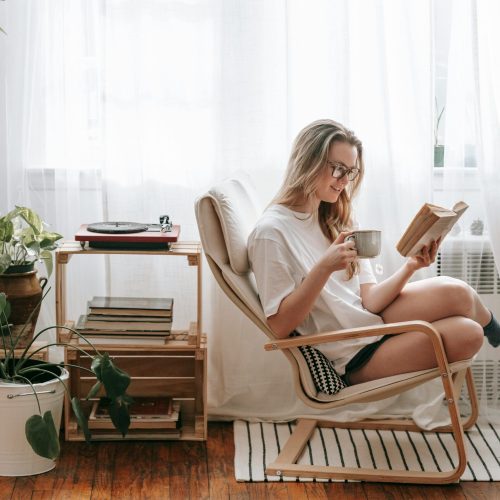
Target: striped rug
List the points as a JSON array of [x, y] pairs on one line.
[[257, 444]]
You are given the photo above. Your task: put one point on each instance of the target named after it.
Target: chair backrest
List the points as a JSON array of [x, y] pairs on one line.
[[226, 215]]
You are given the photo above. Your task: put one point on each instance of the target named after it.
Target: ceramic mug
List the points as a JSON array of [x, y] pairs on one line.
[[368, 242]]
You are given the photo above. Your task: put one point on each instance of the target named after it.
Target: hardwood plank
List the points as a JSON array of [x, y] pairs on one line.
[[188, 470], [42, 495], [381, 491], [315, 491], [301, 490], [280, 491], [61, 478], [103, 476], [428, 492], [218, 475], [481, 490], [7, 485], [158, 483], [83, 477], [345, 491], [23, 488], [257, 491], [131, 469], [73, 476]]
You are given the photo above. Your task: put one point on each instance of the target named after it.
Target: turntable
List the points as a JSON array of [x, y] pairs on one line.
[[129, 235]]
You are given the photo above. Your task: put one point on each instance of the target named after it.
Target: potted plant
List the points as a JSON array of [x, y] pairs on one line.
[[34, 390], [24, 240], [438, 148]]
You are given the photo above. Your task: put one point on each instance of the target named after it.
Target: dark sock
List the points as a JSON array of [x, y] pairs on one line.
[[492, 331]]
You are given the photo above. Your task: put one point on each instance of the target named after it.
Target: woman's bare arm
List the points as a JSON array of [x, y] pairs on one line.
[[376, 297]]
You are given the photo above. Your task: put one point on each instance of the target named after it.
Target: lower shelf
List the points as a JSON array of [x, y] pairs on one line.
[[187, 434], [192, 427]]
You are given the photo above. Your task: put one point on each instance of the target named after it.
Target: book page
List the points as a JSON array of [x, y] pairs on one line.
[[446, 219], [416, 230], [439, 228]]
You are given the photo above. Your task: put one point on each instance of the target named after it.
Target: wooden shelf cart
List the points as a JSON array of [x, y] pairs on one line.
[[177, 369]]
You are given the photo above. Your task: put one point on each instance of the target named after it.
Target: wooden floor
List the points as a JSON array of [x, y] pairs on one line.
[[195, 470]]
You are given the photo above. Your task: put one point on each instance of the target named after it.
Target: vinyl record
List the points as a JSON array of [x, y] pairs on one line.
[[116, 227]]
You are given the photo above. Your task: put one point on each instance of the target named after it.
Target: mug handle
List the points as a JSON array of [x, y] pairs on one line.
[[43, 281], [351, 237]]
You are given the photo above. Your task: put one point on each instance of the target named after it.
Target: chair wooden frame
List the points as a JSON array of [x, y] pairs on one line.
[[286, 462], [452, 376]]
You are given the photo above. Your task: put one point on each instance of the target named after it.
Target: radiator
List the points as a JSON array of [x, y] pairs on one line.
[[474, 263]]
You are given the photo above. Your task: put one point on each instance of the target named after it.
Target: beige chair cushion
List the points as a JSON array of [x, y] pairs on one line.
[[237, 208]]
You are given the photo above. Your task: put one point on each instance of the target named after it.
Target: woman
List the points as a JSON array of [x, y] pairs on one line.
[[310, 280]]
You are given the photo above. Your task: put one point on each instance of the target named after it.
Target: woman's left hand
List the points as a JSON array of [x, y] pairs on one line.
[[426, 256]]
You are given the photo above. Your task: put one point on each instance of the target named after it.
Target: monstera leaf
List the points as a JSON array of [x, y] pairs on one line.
[[42, 435], [115, 383]]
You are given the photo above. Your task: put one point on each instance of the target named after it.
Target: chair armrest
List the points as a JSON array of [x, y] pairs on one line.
[[353, 333], [370, 331]]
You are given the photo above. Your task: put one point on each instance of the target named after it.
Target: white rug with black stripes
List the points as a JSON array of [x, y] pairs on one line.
[[257, 444]]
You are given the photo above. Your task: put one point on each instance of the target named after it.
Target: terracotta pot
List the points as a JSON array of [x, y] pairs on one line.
[[24, 292]]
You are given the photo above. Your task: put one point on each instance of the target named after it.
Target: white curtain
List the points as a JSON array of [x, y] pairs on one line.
[[118, 109], [471, 167]]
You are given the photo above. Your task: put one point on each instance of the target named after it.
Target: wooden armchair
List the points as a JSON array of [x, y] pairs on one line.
[[225, 216]]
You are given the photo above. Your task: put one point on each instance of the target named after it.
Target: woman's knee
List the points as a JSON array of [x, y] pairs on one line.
[[464, 340], [458, 295]]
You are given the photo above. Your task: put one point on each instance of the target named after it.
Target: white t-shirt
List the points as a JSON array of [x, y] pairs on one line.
[[282, 249]]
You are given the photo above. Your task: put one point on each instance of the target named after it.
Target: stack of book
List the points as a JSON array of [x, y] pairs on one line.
[[126, 320], [146, 413]]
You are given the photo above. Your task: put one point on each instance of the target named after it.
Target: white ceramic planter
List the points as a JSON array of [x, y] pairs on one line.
[[16, 455]]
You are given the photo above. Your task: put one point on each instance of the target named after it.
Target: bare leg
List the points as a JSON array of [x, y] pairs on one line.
[[413, 351], [433, 299]]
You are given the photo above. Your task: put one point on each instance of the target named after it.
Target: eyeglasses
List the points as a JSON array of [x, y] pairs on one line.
[[338, 171]]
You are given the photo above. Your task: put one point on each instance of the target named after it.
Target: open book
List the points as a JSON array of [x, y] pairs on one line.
[[430, 223]]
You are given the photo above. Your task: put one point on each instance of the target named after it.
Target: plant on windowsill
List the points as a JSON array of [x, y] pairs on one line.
[[29, 385], [438, 148]]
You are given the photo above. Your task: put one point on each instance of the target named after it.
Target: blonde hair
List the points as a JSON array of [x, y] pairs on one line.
[[307, 160]]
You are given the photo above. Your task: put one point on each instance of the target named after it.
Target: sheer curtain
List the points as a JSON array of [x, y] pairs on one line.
[[118, 109], [471, 168]]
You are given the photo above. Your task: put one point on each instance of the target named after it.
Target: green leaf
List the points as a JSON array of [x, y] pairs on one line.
[[118, 411], [30, 217], [4, 262], [42, 435], [80, 417], [28, 237], [4, 305], [49, 264], [4, 314], [94, 390], [48, 239], [115, 380], [6, 229]]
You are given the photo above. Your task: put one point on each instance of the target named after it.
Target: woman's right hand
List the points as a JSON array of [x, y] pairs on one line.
[[340, 253]]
